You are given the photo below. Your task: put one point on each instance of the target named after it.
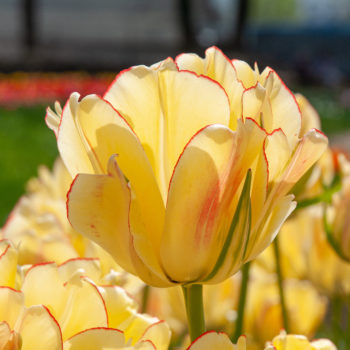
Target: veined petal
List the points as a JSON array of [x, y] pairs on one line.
[[281, 109], [11, 304], [213, 340], [8, 264], [108, 133], [96, 339], [72, 149], [121, 308], [218, 67], [196, 229], [85, 307], [98, 207], [278, 153], [165, 108], [159, 334], [193, 203], [39, 330], [42, 285]]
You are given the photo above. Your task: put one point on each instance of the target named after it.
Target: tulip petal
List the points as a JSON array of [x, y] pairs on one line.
[[165, 108], [218, 67], [88, 267], [159, 334], [11, 304], [96, 339], [98, 207], [138, 327], [73, 151], [213, 340], [108, 133], [85, 307], [42, 285], [196, 228], [8, 264], [39, 330], [282, 111], [237, 237], [120, 307]]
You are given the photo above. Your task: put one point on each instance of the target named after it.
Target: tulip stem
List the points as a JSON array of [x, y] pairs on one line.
[[280, 284], [241, 302], [145, 297], [193, 295]]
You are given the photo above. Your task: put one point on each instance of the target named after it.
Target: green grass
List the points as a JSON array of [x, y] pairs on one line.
[[25, 143]]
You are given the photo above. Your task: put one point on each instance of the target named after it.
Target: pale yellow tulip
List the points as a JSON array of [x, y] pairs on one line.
[[152, 203], [298, 342]]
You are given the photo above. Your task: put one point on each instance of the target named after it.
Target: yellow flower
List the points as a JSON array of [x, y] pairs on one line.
[[181, 176], [65, 302], [299, 342], [218, 341], [305, 307]]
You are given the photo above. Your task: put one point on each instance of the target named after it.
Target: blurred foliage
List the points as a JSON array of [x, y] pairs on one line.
[[26, 142]]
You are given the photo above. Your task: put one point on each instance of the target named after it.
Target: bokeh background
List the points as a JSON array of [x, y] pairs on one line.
[[50, 48]]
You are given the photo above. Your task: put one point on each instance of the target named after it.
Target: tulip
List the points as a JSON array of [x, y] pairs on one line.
[[138, 156], [298, 342], [167, 127], [220, 341]]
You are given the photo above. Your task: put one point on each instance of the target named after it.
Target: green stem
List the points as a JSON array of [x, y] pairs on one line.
[[145, 297], [280, 284], [241, 303], [193, 295]]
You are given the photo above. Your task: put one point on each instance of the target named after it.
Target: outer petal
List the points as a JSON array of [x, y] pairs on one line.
[[85, 307], [196, 229], [212, 340], [39, 330], [165, 108], [98, 207], [281, 109], [88, 267], [218, 67], [8, 264], [73, 151], [11, 304], [121, 308], [159, 334], [310, 118]]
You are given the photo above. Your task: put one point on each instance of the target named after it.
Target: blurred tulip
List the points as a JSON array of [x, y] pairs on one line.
[[167, 126], [219, 341], [299, 342]]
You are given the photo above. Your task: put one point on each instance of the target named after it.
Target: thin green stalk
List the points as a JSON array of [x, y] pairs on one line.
[[280, 284], [241, 303], [145, 297], [193, 295]]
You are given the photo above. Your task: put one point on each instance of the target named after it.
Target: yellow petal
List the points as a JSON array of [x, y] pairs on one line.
[[42, 285], [8, 264], [108, 133], [96, 339], [39, 330], [159, 334], [212, 340], [11, 304], [282, 110], [218, 67], [245, 74], [309, 116], [88, 267], [98, 207], [121, 308], [252, 102], [73, 151], [138, 327], [196, 229], [85, 307], [165, 109]]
